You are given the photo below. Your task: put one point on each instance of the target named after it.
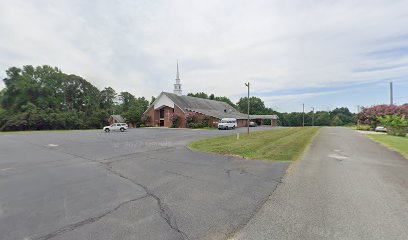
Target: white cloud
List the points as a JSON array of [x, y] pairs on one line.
[[276, 45]]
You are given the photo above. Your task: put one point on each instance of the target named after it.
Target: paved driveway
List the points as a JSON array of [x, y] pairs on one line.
[[141, 184], [346, 187]]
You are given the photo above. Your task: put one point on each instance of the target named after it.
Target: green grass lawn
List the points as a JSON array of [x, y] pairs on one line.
[[276, 145], [399, 144]]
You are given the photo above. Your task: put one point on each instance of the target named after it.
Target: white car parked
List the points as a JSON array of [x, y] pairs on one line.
[[116, 127], [380, 129], [227, 123]]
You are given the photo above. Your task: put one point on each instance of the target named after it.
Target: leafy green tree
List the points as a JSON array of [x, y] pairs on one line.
[[45, 98], [322, 118], [108, 98], [80, 95], [336, 121], [256, 105], [344, 115], [127, 99], [396, 125], [136, 110]]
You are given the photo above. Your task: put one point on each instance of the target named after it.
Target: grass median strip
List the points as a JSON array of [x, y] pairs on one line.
[[286, 144], [399, 144]]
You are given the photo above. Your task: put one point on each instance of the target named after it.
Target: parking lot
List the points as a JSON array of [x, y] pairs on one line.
[[140, 184]]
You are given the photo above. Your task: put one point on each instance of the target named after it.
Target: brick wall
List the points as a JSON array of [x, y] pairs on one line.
[[274, 122], [151, 114], [182, 116], [155, 118], [242, 122]]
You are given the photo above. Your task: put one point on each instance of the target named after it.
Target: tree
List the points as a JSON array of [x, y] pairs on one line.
[[336, 121], [40, 86], [370, 115], [322, 118], [257, 106], [80, 95], [396, 125], [126, 99], [136, 110], [152, 100], [108, 98], [344, 115], [44, 97]]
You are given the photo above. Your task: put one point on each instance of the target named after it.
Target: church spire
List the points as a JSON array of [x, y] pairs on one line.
[[178, 75], [177, 85]]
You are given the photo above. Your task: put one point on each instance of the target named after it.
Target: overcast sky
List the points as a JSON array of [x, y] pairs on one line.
[[324, 53]]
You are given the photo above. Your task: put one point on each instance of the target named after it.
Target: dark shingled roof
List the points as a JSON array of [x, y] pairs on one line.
[[118, 118], [208, 107]]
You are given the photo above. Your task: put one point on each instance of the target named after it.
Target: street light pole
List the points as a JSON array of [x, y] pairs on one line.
[[312, 116], [247, 84], [303, 116]]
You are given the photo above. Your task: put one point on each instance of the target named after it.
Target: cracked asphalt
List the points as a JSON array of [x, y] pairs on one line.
[[141, 184]]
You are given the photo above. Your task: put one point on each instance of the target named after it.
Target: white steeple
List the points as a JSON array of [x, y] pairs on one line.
[[177, 85]]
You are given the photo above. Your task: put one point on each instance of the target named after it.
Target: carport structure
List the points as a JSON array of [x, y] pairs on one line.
[[260, 119]]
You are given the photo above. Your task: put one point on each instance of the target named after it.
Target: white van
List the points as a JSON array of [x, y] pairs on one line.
[[227, 123]]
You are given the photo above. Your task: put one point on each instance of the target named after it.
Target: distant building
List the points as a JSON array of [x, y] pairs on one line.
[[168, 104], [115, 119]]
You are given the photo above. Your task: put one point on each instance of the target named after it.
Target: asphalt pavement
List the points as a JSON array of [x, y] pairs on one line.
[[346, 187], [140, 184]]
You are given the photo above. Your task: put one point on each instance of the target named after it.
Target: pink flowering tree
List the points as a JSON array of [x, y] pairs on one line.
[[371, 115], [190, 117], [175, 120]]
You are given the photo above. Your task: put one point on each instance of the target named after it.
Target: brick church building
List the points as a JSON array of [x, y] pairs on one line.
[[161, 112]]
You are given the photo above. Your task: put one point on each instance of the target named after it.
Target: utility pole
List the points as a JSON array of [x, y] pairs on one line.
[[391, 95], [247, 84], [303, 115], [312, 116], [358, 111]]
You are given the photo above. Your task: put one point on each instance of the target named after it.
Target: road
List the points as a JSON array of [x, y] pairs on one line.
[[346, 187], [141, 184]]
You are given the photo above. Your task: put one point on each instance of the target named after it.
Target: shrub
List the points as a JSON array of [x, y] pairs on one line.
[[175, 120], [396, 125], [206, 121], [190, 117], [195, 125], [364, 127], [370, 115]]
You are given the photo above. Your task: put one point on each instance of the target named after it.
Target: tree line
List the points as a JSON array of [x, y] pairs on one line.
[[337, 117], [43, 97]]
